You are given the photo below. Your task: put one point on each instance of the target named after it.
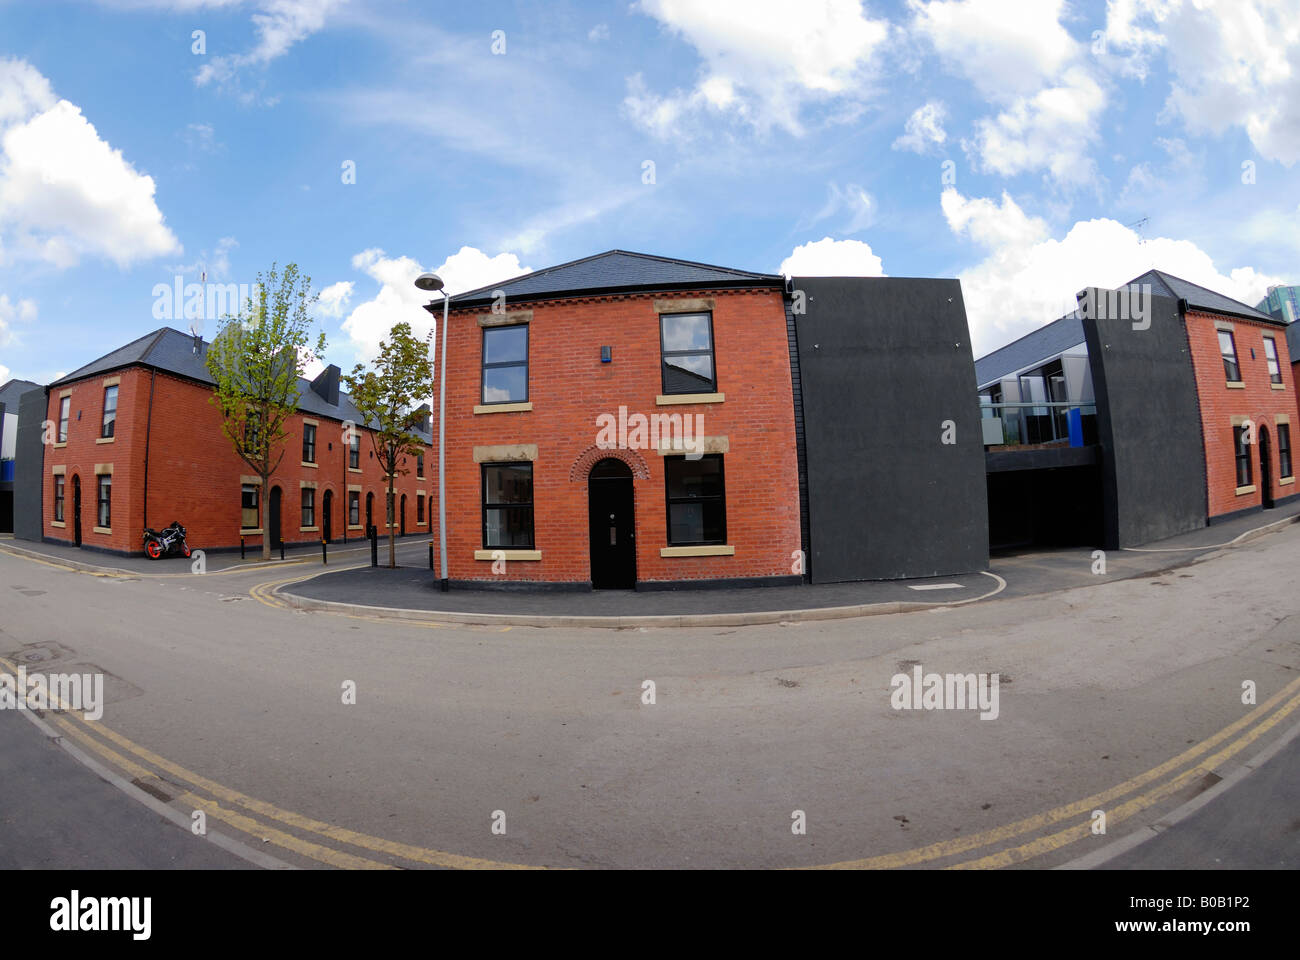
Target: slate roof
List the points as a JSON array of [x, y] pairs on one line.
[[13, 389], [1034, 347], [616, 270], [172, 351], [1167, 285]]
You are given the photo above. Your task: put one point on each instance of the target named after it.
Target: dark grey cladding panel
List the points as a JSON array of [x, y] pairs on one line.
[[884, 362], [1149, 426], [29, 467]]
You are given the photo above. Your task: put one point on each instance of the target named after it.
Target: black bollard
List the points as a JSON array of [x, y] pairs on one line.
[[374, 545], [241, 548], [281, 549], [324, 558], [430, 554]]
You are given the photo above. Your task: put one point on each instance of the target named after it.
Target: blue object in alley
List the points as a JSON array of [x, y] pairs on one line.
[[1075, 417]]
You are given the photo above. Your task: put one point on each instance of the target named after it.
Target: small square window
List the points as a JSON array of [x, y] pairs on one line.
[[686, 353], [697, 503], [507, 505]]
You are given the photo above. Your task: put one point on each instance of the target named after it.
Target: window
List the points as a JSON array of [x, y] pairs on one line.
[[58, 497], [697, 504], [110, 412], [686, 352], [308, 443], [507, 505], [308, 507], [1228, 347], [248, 506], [1270, 352], [505, 364], [354, 508], [419, 509], [354, 451], [1284, 449], [105, 500], [65, 407], [1243, 456], [419, 466]]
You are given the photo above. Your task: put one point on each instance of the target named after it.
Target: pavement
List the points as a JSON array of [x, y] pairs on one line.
[[1028, 573], [411, 588], [58, 815]]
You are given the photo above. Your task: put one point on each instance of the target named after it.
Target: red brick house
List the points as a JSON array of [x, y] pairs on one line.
[[135, 442], [1246, 387], [622, 420]]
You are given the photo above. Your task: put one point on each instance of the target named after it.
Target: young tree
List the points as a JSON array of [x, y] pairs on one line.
[[257, 360], [400, 377]]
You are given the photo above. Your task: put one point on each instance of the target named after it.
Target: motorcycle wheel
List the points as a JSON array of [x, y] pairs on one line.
[[154, 549], [186, 550]]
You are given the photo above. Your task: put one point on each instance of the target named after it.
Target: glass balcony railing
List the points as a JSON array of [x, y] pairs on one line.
[[1041, 422]]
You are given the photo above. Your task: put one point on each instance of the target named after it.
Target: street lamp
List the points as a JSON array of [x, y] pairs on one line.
[[431, 283]]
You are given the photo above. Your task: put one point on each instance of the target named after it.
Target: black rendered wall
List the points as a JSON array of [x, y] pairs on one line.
[[29, 466], [884, 362], [1149, 426]]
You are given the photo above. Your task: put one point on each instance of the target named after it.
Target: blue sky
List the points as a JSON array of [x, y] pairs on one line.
[[1013, 145]]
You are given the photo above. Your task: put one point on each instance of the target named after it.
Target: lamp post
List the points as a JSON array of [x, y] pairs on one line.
[[431, 282]]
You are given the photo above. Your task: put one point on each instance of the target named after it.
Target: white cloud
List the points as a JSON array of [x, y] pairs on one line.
[[1049, 131], [1007, 48], [24, 311], [334, 298], [279, 24], [4, 374], [1021, 57], [531, 236], [398, 299], [1029, 277], [599, 32], [761, 64], [923, 127], [64, 192], [832, 258]]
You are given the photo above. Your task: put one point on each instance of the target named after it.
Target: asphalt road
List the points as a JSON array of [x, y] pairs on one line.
[[454, 729]]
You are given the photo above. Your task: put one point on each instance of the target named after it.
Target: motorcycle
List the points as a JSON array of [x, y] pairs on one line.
[[164, 542]]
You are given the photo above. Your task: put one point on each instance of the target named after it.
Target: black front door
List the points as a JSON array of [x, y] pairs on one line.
[[1265, 469], [327, 525], [610, 513], [76, 509], [274, 531]]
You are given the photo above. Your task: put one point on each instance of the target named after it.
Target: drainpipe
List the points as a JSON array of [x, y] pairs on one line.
[[148, 427]]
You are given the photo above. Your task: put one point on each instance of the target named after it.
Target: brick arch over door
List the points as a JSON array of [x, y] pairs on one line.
[[594, 454]]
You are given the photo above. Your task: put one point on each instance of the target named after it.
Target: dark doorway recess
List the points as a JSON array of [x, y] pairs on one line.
[[273, 530], [1059, 507], [1265, 469], [612, 524], [76, 509]]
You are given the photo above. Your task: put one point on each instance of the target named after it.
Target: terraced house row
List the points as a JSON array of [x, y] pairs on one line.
[[634, 421], [133, 441]]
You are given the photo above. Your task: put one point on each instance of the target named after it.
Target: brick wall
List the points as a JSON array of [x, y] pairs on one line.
[[569, 388], [194, 472], [1256, 399]]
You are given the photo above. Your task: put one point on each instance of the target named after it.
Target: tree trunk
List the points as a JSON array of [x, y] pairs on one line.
[[266, 516], [392, 526]]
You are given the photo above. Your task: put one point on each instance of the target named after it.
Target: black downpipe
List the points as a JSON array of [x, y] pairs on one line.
[[148, 426]]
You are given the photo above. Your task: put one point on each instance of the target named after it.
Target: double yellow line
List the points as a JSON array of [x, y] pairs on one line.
[[219, 803], [1255, 724]]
